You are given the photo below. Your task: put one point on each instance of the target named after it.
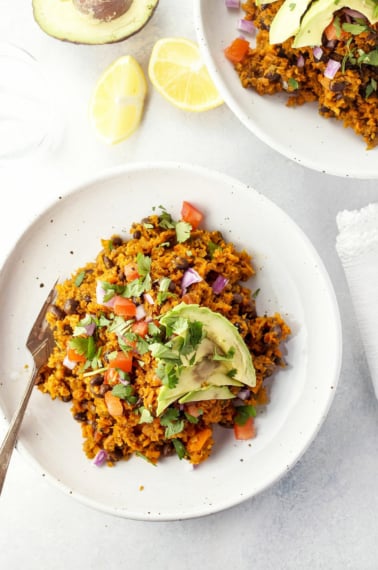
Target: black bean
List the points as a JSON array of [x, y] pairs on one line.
[[103, 389], [137, 234], [273, 77], [87, 298], [117, 241], [237, 298], [181, 263], [71, 306], [337, 86], [97, 380], [172, 287], [80, 416], [58, 312], [67, 398], [107, 262]]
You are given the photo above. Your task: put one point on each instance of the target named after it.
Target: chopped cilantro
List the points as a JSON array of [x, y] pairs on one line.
[[84, 345], [144, 264], [354, 29], [183, 230], [243, 413], [228, 356], [212, 248], [124, 392], [172, 423], [164, 293], [293, 83], [145, 416], [79, 278], [179, 448]]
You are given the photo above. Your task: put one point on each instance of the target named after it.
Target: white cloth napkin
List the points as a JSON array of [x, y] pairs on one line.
[[357, 247]]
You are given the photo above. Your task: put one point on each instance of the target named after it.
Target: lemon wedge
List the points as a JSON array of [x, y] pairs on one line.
[[117, 102], [178, 73]]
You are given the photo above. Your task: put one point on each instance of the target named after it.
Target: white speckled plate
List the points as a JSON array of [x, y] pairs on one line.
[[300, 133], [292, 280]]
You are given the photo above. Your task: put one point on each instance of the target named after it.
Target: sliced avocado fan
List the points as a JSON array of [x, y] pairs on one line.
[[63, 20], [307, 20], [203, 357]]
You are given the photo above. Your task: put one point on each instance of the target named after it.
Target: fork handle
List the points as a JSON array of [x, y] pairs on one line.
[[14, 427]]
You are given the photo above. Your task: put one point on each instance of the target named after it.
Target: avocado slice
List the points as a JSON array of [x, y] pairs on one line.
[[63, 20], [212, 393], [221, 359], [320, 14], [287, 21]]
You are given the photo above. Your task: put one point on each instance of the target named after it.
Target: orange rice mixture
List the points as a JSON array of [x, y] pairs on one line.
[[351, 96], [115, 427]]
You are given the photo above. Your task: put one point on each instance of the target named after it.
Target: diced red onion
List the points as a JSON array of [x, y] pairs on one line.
[[331, 44], [318, 52], [219, 284], [232, 3], [246, 26], [190, 276], [90, 329], [149, 299], [332, 68], [69, 363], [300, 61], [244, 393], [100, 294], [354, 13], [123, 380], [140, 312], [100, 458]]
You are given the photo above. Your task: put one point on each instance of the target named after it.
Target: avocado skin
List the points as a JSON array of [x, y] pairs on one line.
[[42, 9]]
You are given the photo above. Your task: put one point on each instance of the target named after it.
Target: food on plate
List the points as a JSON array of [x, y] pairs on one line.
[[178, 73], [158, 341], [117, 103], [93, 21], [320, 51]]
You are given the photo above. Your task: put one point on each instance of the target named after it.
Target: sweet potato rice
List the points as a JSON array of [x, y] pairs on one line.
[[106, 318], [341, 74]]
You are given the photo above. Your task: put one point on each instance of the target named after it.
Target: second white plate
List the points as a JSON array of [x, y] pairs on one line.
[[300, 133]]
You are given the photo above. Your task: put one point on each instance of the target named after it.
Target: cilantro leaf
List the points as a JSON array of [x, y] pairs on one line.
[[145, 416], [228, 356], [179, 448], [171, 421], [183, 230], [79, 278], [243, 413]]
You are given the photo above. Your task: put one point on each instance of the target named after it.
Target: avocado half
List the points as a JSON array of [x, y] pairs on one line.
[[61, 19]]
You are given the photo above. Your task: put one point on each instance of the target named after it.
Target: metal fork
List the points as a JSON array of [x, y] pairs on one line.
[[40, 343]]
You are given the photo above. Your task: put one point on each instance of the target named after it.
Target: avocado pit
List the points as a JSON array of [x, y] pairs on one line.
[[103, 10]]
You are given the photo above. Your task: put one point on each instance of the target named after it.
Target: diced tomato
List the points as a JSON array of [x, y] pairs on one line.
[[124, 307], [331, 32], [131, 271], [74, 356], [191, 215], [140, 328], [193, 410], [246, 431], [237, 50], [123, 361]]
